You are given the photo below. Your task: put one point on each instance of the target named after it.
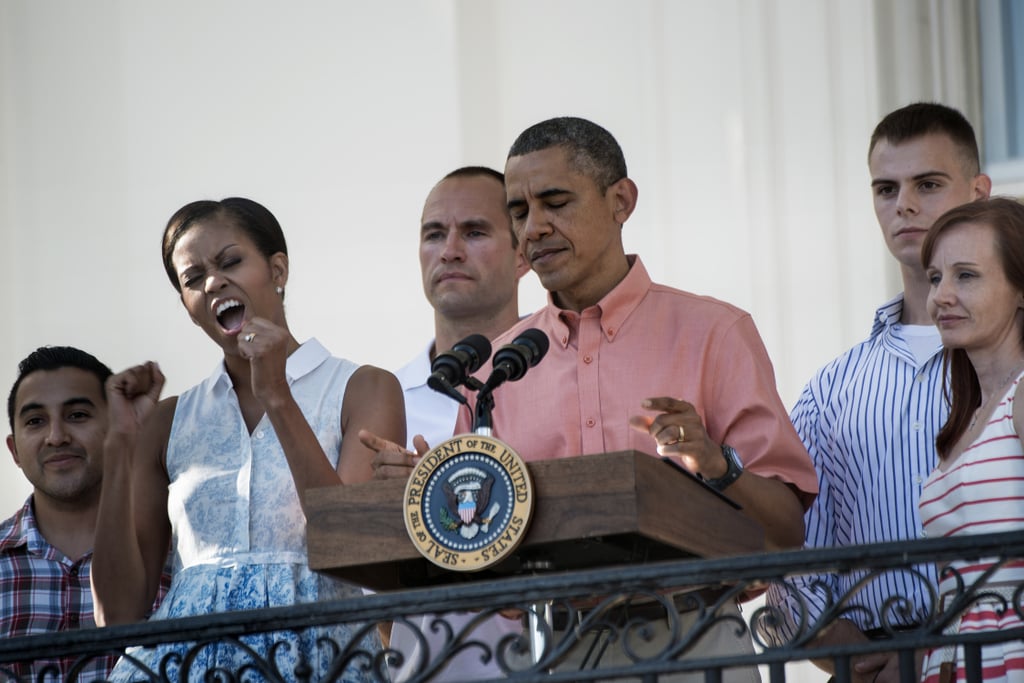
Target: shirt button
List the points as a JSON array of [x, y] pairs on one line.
[[587, 359], [917, 426], [920, 379], [73, 618], [259, 434], [74, 571], [590, 422], [918, 479], [611, 331], [924, 534]]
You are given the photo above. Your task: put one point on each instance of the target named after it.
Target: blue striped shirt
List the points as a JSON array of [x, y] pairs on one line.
[[869, 420]]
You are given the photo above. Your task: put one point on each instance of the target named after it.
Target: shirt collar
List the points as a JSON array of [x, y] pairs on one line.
[[415, 373], [22, 529], [612, 309], [304, 360], [887, 315]]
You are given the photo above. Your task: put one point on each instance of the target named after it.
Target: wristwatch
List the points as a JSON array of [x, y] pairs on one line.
[[735, 469]]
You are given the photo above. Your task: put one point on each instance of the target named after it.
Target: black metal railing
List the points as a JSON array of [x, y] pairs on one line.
[[622, 614]]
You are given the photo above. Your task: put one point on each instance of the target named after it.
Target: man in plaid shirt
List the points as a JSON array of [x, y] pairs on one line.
[[58, 415]]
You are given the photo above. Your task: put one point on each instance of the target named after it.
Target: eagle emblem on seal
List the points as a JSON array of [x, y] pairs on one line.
[[467, 492]]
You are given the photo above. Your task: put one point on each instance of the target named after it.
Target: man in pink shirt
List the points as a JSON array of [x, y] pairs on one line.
[[633, 364]]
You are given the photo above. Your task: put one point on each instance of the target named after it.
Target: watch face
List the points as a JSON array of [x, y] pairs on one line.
[[735, 468], [732, 457]]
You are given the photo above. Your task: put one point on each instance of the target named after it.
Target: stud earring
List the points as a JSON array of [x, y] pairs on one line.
[[280, 290]]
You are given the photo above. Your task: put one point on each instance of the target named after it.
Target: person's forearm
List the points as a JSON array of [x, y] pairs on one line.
[[775, 506], [305, 455], [118, 572]]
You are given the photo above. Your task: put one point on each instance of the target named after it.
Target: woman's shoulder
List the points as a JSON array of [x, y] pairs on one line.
[[1017, 406], [371, 378]]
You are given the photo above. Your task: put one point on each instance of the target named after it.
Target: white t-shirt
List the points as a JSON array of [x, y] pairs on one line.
[[922, 340]]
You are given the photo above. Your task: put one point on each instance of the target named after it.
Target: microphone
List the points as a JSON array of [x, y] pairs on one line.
[[453, 367], [513, 360]]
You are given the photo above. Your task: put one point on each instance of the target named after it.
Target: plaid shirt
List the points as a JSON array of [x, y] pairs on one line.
[[42, 591]]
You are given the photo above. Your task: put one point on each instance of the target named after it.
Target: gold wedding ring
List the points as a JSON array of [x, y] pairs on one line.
[[682, 435]]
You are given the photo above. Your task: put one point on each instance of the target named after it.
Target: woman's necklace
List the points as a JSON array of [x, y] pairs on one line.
[[977, 411]]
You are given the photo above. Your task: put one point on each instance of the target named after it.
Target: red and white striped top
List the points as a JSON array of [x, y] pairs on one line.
[[981, 492]]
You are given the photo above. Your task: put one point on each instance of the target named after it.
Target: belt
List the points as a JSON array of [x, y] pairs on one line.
[[652, 610], [881, 633]]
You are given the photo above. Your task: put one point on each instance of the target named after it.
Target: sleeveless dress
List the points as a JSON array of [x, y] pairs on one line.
[[238, 530], [982, 492]]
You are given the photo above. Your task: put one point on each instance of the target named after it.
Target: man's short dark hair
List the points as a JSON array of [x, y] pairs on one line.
[[55, 358], [924, 118], [475, 172], [593, 151]]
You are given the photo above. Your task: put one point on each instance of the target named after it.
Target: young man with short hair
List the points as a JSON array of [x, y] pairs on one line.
[[870, 417], [57, 410]]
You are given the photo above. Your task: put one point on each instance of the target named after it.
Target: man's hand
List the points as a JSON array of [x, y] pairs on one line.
[[391, 460], [132, 395], [883, 667], [679, 431], [878, 667]]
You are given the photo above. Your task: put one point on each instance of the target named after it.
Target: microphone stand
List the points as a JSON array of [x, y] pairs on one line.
[[483, 423], [539, 615]]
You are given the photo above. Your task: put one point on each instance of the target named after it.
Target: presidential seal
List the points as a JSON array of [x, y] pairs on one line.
[[468, 503]]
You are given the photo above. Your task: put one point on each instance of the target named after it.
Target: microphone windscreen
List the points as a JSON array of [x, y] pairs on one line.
[[539, 342], [477, 348]]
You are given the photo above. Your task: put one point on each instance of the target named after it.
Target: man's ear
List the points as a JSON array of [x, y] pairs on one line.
[[522, 265], [623, 195], [279, 268], [13, 449], [982, 186]]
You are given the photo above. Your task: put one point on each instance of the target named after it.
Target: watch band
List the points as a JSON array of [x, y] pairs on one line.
[[735, 469]]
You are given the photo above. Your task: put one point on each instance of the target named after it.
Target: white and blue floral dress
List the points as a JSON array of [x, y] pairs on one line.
[[239, 533]]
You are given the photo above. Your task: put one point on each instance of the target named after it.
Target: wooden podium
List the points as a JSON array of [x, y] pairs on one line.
[[589, 511]]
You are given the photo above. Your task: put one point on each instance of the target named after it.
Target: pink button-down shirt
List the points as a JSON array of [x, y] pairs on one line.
[[645, 340]]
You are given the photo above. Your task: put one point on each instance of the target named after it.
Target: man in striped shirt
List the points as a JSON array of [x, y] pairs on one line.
[[869, 418], [58, 415]]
